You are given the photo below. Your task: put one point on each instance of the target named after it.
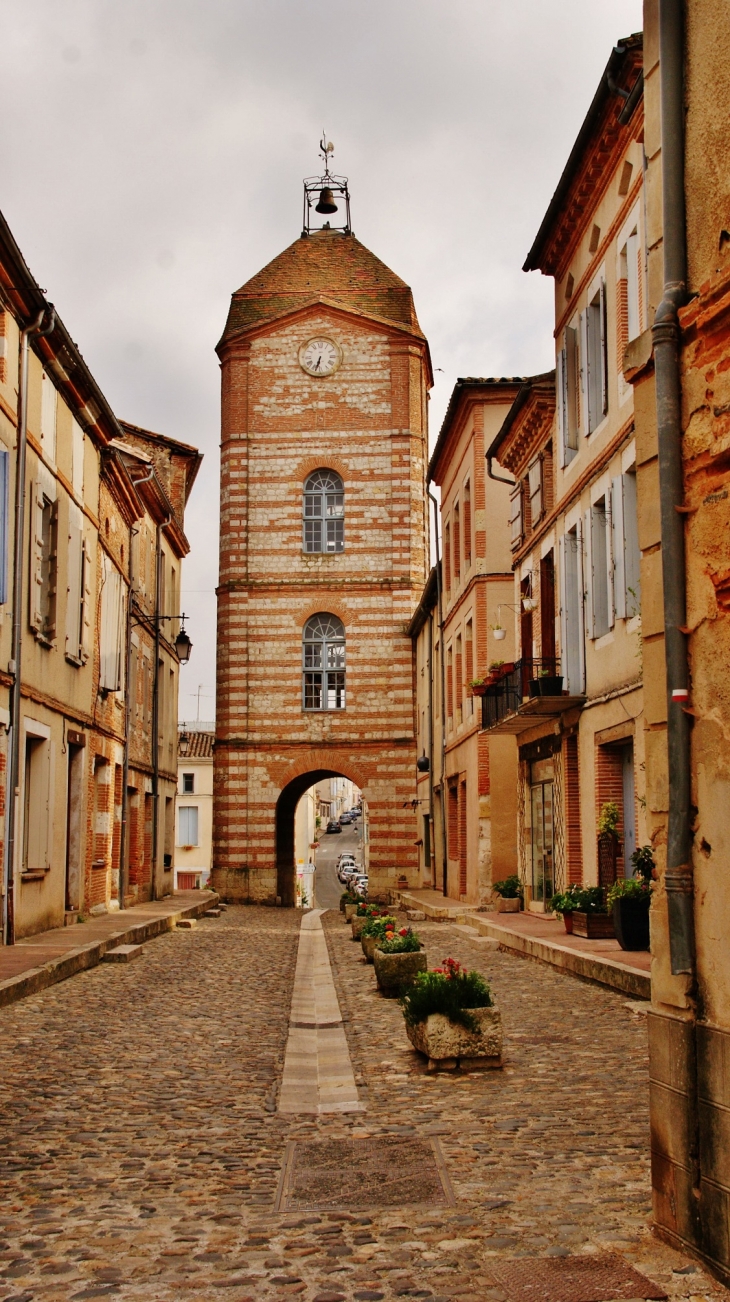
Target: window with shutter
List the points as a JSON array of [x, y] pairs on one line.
[[597, 376], [456, 534], [87, 612], [561, 396], [467, 525], [77, 459], [44, 563], [534, 479], [515, 516], [617, 537], [447, 558], [35, 615], [49, 400], [572, 384], [597, 522], [188, 825], [112, 625], [572, 606], [632, 286], [74, 600], [4, 485], [632, 554]]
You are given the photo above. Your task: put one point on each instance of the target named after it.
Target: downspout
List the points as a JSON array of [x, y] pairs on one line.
[[499, 479], [13, 791], [678, 878], [123, 865], [442, 658]]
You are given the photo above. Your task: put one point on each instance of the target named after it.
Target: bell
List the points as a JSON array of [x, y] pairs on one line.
[[326, 202]]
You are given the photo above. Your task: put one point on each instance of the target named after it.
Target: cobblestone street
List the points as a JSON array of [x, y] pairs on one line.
[[142, 1148]]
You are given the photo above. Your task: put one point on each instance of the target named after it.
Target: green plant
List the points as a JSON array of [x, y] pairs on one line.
[[588, 899], [450, 990], [632, 888], [476, 682], [349, 897], [378, 926], [81, 917], [509, 889], [608, 819], [305, 900], [404, 942], [565, 901], [365, 910], [643, 861], [495, 665], [318, 821]]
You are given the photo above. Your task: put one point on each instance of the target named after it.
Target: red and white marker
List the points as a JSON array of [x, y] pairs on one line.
[[680, 694]]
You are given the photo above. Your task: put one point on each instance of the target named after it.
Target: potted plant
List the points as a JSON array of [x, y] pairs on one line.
[[500, 668], [608, 819], [498, 633], [376, 929], [563, 903], [451, 1018], [398, 960], [629, 900], [509, 894], [549, 684], [348, 904], [479, 685], [363, 913], [591, 918]]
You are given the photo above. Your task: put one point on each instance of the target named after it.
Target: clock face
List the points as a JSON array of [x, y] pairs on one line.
[[319, 357]]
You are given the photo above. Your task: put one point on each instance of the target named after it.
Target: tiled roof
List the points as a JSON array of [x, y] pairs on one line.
[[329, 264], [199, 745]]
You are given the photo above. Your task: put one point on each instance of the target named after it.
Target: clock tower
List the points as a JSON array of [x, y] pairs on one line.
[[323, 553]]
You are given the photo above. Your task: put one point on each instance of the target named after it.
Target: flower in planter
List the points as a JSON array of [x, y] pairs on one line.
[[450, 990], [405, 942], [509, 889], [632, 888]]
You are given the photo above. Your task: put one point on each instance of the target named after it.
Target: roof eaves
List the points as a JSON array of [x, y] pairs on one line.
[[429, 598], [529, 384], [465, 383]]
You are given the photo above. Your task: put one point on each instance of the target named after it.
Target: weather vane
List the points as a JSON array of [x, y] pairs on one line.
[[325, 188]]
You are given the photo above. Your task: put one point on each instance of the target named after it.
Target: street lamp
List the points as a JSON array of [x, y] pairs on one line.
[[183, 646]]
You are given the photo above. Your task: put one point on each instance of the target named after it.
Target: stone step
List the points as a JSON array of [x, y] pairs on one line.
[[186, 924], [213, 913], [122, 954]]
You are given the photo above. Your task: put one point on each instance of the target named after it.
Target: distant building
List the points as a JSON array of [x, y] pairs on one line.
[[194, 832]]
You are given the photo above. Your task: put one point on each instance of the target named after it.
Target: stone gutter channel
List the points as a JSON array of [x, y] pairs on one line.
[[133, 926]]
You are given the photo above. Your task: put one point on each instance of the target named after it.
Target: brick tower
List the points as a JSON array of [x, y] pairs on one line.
[[323, 556]]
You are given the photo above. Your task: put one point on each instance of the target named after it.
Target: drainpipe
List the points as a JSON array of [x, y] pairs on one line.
[[666, 337], [444, 803], [499, 479], [13, 791]]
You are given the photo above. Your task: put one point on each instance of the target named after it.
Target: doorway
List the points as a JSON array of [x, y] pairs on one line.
[[542, 777], [74, 825]]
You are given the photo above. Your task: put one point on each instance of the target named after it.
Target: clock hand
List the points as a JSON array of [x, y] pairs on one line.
[[319, 359]]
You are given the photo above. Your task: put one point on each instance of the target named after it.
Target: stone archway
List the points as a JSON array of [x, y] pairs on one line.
[[285, 810]]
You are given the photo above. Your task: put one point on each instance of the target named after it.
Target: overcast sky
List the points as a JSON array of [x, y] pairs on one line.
[[152, 156]]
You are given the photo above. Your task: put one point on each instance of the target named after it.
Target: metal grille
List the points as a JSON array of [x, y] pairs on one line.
[[355, 1174], [571, 1279], [558, 823]]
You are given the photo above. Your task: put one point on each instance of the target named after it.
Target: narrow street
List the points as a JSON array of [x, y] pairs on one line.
[[143, 1148], [327, 889]]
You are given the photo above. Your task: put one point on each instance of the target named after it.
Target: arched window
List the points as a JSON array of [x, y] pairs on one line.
[[323, 663], [324, 513]]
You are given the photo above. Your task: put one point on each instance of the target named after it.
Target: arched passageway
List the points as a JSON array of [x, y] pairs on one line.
[[286, 807]]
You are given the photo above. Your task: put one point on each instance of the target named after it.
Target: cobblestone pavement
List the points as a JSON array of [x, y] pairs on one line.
[[140, 1148]]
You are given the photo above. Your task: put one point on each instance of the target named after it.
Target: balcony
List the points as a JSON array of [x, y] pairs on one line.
[[512, 704]]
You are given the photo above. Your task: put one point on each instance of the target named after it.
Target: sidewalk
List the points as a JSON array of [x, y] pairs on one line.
[[545, 939], [39, 961]]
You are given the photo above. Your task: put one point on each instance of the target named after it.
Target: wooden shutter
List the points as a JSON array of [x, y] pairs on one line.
[[632, 554], [87, 609], [584, 369], [609, 560], [604, 350], [48, 417], [617, 537], [111, 627], [35, 603], [588, 574], [515, 515], [4, 477], [74, 600], [561, 383], [581, 568], [563, 599], [572, 406]]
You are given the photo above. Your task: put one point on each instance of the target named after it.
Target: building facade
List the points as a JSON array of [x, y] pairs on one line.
[[194, 839], [79, 491], [323, 556]]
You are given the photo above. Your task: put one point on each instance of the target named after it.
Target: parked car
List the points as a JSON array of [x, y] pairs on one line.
[[346, 871], [345, 818], [333, 826], [359, 884]]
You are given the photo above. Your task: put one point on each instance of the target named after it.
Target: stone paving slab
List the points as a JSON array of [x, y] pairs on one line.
[[36, 962], [141, 1149]]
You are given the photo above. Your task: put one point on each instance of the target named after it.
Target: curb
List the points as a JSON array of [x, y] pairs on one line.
[[87, 956]]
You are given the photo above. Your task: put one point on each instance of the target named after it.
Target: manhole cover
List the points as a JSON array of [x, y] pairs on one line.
[[571, 1279], [354, 1174]]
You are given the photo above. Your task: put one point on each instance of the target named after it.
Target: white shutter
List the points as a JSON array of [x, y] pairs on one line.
[[584, 372], [87, 609], [590, 614], [77, 459], [75, 562], [4, 521], [35, 604], [604, 351], [561, 382], [48, 416], [617, 535], [563, 597], [581, 566], [632, 554], [111, 625], [609, 561]]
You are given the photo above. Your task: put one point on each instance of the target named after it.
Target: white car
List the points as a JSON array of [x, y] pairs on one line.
[[360, 884]]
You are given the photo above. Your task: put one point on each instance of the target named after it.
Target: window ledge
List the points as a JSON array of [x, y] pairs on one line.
[[34, 875]]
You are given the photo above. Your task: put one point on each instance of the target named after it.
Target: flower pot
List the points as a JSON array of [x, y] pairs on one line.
[[368, 946], [593, 926], [481, 690], [394, 971], [508, 906], [357, 926], [568, 923], [449, 1044], [550, 685], [350, 911], [631, 921], [499, 634]]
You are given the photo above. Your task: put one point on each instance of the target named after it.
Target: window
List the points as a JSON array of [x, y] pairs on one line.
[[600, 609], [534, 478], [457, 545], [567, 379], [112, 627], [447, 558], [469, 662], [595, 377], [36, 801], [4, 478], [49, 402], [324, 513], [515, 516], [467, 525], [44, 561], [459, 683], [450, 686], [323, 654], [78, 596], [572, 608], [78, 439], [626, 553], [188, 783], [187, 824]]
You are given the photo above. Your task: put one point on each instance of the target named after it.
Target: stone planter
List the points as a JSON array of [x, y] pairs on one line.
[[350, 911], [448, 1045], [368, 946], [357, 926], [593, 926], [631, 922], [508, 906], [394, 971]]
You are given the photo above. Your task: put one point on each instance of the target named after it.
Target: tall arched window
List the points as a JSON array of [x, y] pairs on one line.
[[323, 663], [324, 513]]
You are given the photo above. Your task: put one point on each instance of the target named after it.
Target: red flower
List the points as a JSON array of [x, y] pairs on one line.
[[403, 931]]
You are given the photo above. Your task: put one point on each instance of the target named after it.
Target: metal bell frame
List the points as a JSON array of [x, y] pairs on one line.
[[313, 187]]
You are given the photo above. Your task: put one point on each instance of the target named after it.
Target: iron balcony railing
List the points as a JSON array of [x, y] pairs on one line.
[[506, 696]]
